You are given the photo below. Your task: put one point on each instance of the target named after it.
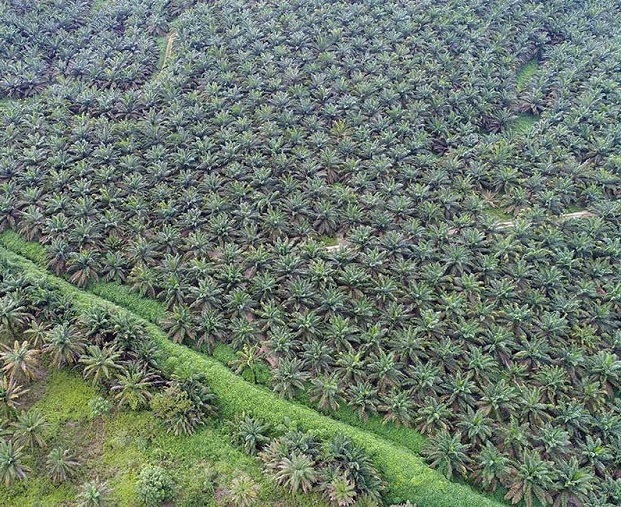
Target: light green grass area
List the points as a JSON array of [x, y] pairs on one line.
[[32, 250], [408, 477], [527, 71], [116, 446], [162, 43], [406, 437], [149, 309], [574, 209]]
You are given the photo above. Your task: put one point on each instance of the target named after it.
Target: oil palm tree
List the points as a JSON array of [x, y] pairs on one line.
[[574, 484], [93, 494], [13, 315], [341, 492], [531, 477], [243, 491], [20, 361], [491, 467], [31, 428], [64, 345], [326, 392], [247, 360], [61, 465], [289, 377], [251, 433], [296, 473], [83, 267], [10, 393], [99, 363], [12, 467], [448, 454], [132, 387]]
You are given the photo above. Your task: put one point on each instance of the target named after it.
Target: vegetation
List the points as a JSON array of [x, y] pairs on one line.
[[358, 205], [405, 473]]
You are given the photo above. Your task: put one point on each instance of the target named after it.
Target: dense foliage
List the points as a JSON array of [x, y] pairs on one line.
[[106, 44], [276, 127]]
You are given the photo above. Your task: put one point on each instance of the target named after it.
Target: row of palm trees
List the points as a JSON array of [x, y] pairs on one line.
[[300, 462]]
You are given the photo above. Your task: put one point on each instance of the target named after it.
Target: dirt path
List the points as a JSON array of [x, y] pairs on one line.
[[506, 224], [169, 47]]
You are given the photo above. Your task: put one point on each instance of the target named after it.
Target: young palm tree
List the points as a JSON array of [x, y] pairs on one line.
[[326, 392], [12, 467], [93, 494], [83, 267], [180, 324], [446, 453], [492, 467], [362, 396], [36, 333], [61, 465], [243, 491], [20, 361], [247, 359], [251, 433], [289, 378], [398, 408], [341, 492], [13, 315], [64, 345], [100, 363], [30, 429], [132, 386], [531, 477], [296, 473], [10, 392], [574, 485]]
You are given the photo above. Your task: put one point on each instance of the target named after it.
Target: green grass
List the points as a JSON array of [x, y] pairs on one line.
[[574, 209], [527, 71], [149, 309], [406, 437], [32, 250], [409, 478], [499, 213], [66, 398], [523, 123], [162, 43], [116, 446], [328, 241]]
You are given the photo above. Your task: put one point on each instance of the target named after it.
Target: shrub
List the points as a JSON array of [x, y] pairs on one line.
[[175, 408], [155, 486], [99, 406]]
